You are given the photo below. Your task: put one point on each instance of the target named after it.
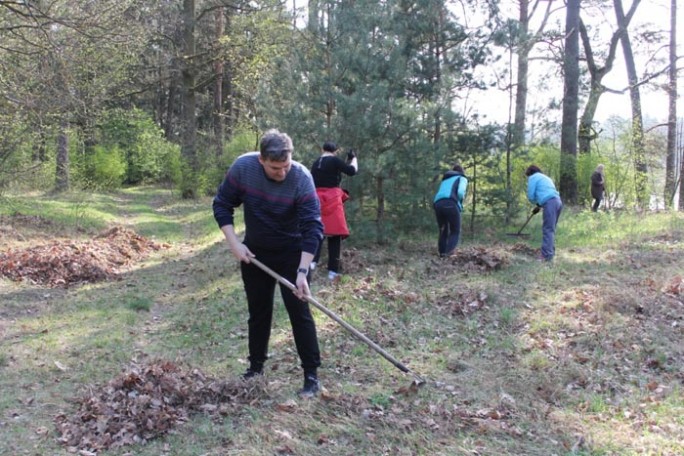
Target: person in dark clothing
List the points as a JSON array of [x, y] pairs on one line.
[[598, 183], [542, 192], [283, 230], [448, 205], [327, 173]]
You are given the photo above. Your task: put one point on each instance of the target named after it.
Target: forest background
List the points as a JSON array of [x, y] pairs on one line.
[[122, 315], [129, 92]]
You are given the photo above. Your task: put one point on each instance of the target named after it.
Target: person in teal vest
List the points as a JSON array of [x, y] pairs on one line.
[[448, 205], [542, 192]]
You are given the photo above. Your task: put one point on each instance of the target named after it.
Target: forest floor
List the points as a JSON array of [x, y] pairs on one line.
[[123, 332]]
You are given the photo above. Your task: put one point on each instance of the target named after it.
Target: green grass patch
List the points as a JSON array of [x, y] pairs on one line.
[[578, 357], [139, 303]]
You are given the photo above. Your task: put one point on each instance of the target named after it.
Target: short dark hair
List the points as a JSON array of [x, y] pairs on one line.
[[275, 145], [458, 168], [329, 146], [532, 169]]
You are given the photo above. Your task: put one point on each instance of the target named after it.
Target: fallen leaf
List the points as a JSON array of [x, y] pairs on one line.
[[288, 406], [284, 434], [675, 286], [323, 439]]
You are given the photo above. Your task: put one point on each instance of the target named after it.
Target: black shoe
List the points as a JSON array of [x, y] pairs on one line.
[[251, 373], [311, 386]]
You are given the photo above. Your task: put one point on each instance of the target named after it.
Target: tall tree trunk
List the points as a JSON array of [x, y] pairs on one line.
[[62, 181], [330, 102], [524, 47], [670, 187], [172, 101], [438, 53], [218, 86], [170, 110], [586, 133], [40, 147], [526, 42], [380, 211], [568, 165], [586, 127], [509, 141], [473, 193], [160, 99], [189, 127], [231, 110], [638, 150], [679, 155]]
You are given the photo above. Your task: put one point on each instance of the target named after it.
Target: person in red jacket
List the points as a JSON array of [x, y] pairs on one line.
[[327, 173]]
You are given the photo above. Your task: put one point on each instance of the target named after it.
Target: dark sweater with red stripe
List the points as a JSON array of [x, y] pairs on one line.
[[278, 215]]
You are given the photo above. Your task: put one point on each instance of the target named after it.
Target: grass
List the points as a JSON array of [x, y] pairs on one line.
[[580, 358]]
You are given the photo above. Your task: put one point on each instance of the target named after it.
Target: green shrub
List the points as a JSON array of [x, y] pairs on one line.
[[215, 167], [105, 168], [25, 154], [149, 157], [547, 157]]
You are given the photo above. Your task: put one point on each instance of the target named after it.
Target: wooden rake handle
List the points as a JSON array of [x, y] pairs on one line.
[[334, 316]]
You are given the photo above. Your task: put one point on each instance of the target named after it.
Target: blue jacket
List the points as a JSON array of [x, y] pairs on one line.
[[540, 189], [453, 186]]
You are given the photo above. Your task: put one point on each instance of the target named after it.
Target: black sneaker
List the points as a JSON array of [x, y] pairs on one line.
[[311, 386], [251, 373]]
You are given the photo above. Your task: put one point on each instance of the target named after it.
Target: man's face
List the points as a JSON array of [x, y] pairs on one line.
[[277, 170]]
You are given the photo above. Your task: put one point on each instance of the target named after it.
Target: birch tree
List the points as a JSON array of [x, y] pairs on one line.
[[526, 42], [638, 149], [670, 184]]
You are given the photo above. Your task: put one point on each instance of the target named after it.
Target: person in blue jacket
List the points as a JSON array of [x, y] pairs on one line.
[[542, 192], [448, 205]]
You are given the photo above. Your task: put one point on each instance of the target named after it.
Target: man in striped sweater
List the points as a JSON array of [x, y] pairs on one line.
[[283, 230]]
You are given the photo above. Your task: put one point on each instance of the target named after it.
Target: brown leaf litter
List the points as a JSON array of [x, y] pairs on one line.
[[67, 262], [462, 302], [147, 402], [479, 259]]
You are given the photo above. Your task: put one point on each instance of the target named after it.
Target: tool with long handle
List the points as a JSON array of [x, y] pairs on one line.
[[344, 324], [520, 233]]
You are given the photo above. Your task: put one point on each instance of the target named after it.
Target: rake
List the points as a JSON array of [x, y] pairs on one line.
[[418, 380], [520, 233]]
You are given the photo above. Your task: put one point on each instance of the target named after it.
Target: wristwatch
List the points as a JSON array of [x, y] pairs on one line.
[[303, 271]]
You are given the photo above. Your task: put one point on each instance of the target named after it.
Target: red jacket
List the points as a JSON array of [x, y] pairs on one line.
[[332, 211]]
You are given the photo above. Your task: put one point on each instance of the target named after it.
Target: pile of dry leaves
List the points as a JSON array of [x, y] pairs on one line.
[[479, 259], [146, 402], [462, 302], [63, 263]]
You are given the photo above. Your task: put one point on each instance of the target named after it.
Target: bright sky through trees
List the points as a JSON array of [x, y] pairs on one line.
[[651, 14]]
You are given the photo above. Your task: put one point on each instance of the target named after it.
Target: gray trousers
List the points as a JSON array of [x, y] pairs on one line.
[[552, 212]]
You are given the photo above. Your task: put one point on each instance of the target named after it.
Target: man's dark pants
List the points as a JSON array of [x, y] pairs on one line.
[[260, 291]]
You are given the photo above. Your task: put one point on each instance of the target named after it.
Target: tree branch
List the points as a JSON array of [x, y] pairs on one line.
[[656, 126]]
